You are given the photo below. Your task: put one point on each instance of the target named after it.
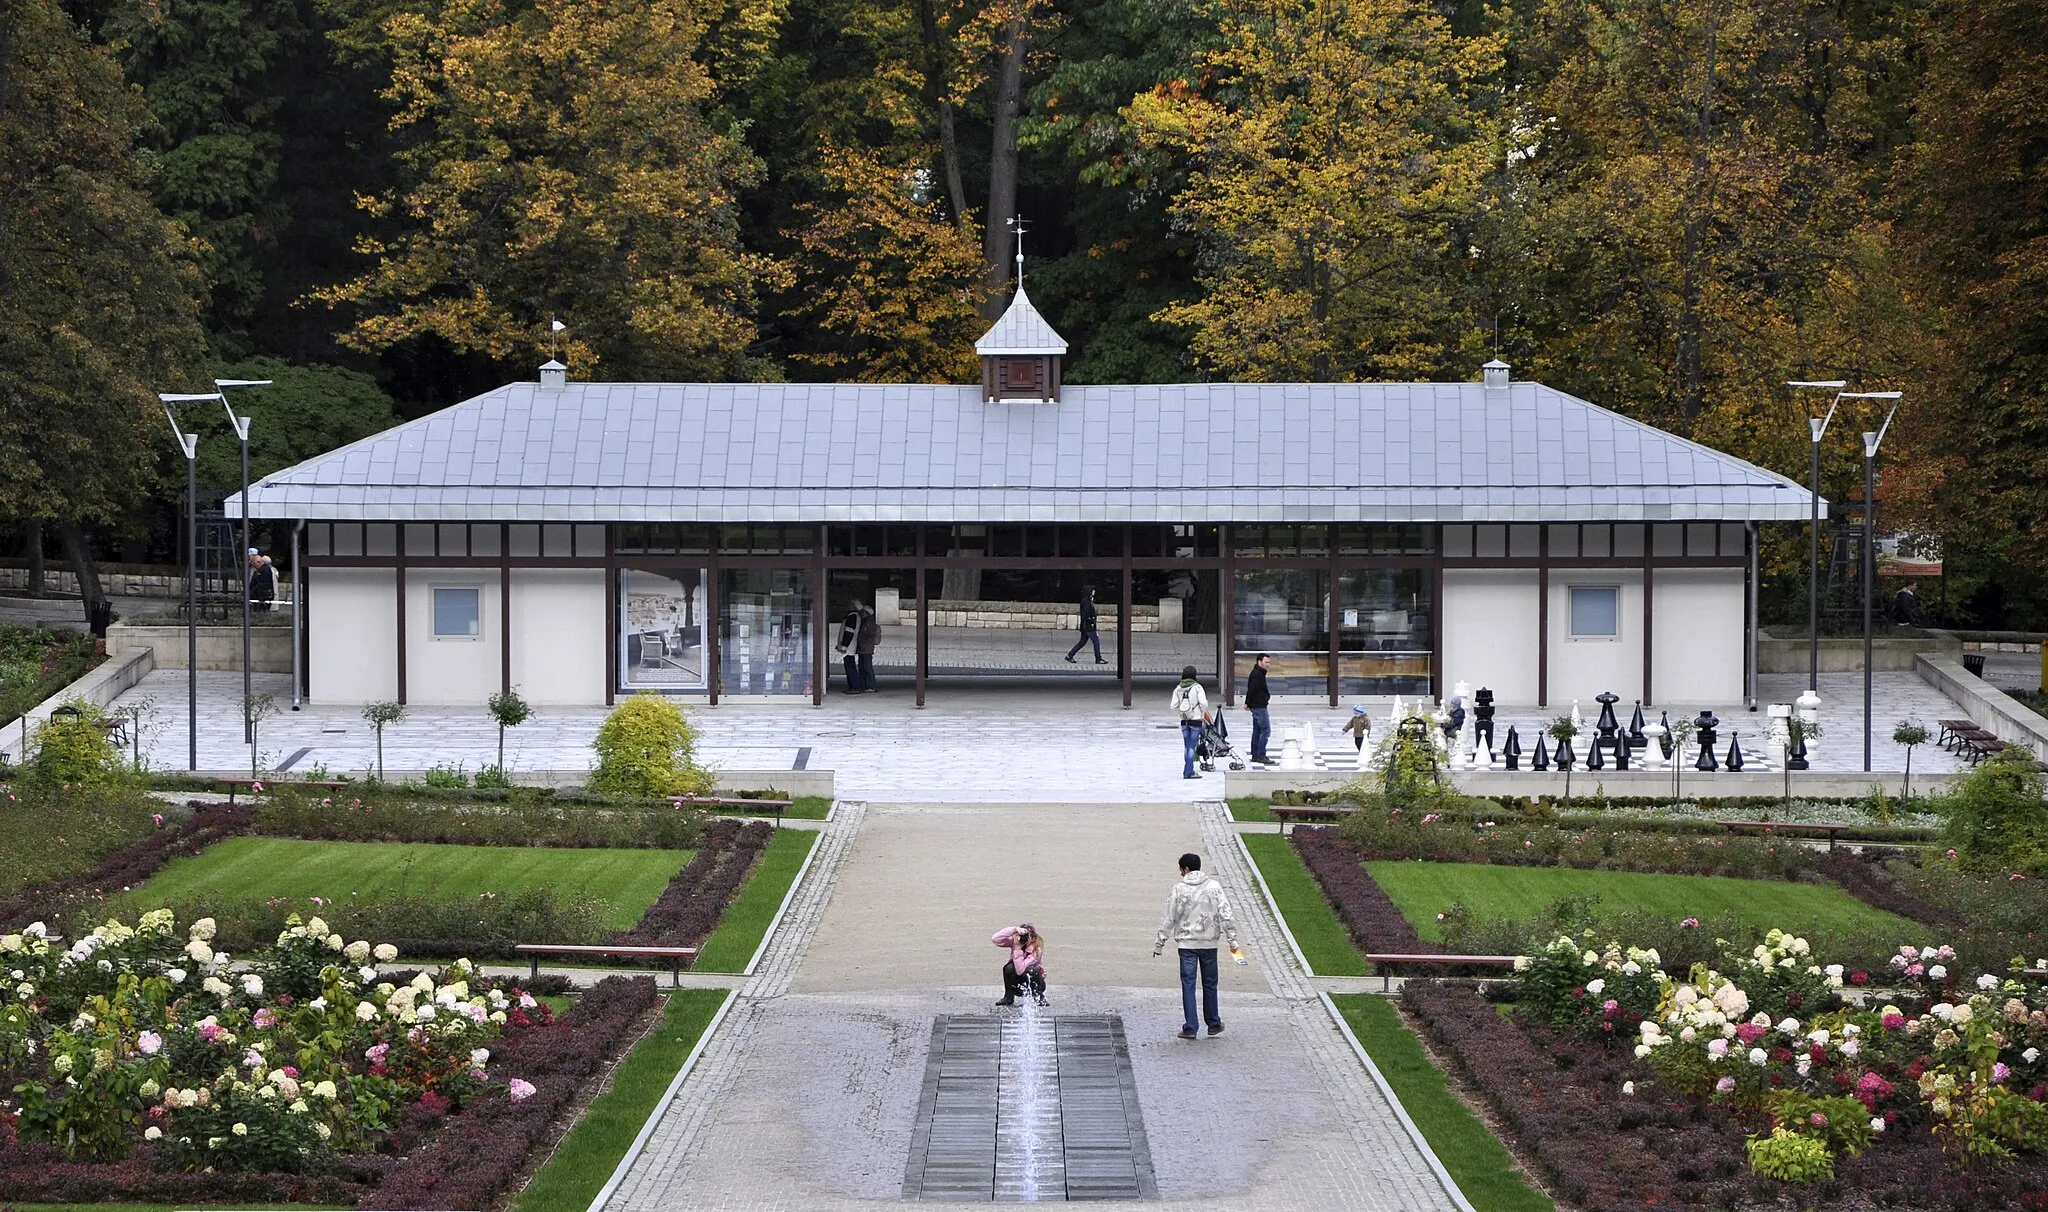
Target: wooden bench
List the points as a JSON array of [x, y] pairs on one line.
[[1387, 962], [676, 956], [1287, 813], [1946, 737], [2035, 974], [1832, 831], [234, 785], [774, 808]]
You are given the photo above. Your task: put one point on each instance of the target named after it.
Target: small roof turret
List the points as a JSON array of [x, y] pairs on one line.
[[1021, 330]]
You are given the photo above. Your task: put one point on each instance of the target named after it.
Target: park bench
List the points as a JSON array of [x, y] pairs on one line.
[[1290, 813], [676, 956], [236, 785], [1386, 964], [2035, 974], [774, 808], [1832, 831]]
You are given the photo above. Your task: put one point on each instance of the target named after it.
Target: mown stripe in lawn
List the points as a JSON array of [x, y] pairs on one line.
[[1481, 1166], [591, 1151], [1322, 938], [739, 932]]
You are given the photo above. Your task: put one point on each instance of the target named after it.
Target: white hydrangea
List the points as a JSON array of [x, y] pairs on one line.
[[385, 953]]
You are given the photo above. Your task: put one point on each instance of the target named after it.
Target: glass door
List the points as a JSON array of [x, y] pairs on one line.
[[765, 632]]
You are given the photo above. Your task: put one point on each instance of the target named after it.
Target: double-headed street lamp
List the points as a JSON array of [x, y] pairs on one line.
[[241, 425], [1871, 442], [1817, 428], [189, 444]]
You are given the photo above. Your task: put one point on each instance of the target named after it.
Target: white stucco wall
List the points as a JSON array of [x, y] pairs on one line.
[[441, 671], [1697, 641], [558, 620], [1490, 631], [1582, 668], [352, 635]]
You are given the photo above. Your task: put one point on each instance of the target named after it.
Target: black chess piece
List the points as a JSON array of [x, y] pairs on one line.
[[1665, 742], [1795, 757], [1734, 751], [1636, 737], [1703, 732], [1511, 749], [1540, 760], [1482, 718], [1621, 752], [1565, 756], [1593, 759]]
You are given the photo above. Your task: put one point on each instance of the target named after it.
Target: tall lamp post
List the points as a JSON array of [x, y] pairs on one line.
[[189, 443], [1871, 441], [1817, 428], [241, 424]]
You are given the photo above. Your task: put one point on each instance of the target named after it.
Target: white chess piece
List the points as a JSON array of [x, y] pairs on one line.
[[1809, 710], [1290, 752], [1310, 751], [1578, 721], [1653, 753]]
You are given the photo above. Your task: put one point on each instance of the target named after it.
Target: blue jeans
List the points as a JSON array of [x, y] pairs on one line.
[[1190, 736], [1191, 959], [1086, 636], [867, 671], [1262, 730]]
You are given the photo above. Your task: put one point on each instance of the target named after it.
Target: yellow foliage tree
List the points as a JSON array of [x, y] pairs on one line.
[[561, 162]]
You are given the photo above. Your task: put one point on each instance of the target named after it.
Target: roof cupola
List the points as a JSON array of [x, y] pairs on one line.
[[1020, 353]]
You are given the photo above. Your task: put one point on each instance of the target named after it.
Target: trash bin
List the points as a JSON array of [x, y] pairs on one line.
[[100, 615], [1974, 662]]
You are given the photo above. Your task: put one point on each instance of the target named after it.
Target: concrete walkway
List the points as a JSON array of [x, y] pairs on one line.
[[806, 1096]]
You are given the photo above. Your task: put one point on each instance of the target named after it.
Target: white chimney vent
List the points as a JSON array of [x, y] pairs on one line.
[[553, 375], [1496, 375]]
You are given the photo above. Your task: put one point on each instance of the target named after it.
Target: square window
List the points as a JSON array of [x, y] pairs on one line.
[[458, 613], [1596, 612]]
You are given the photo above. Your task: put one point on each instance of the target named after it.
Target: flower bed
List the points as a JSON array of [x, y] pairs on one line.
[[687, 911], [144, 1051], [1373, 919], [1630, 1087], [1450, 839], [127, 867]]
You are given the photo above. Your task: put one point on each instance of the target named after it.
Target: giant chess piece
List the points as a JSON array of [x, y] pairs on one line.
[[1511, 749], [1482, 716], [1664, 740], [1621, 753], [1594, 748], [1565, 756], [1703, 732], [1735, 751], [1795, 757], [1636, 737], [1652, 758], [1540, 760]]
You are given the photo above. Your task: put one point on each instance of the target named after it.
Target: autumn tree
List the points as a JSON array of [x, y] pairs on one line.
[[561, 163], [1338, 147], [98, 291], [884, 273]]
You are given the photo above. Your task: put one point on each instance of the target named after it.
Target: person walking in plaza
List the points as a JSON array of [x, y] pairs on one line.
[[262, 581], [1197, 916], [849, 635], [1024, 971], [1089, 632], [1192, 706], [1359, 726], [869, 635], [1256, 697]]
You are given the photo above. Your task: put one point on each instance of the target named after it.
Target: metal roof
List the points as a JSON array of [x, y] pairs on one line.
[[1221, 452], [1021, 330]]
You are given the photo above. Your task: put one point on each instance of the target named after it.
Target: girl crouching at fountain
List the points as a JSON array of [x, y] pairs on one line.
[[1025, 969]]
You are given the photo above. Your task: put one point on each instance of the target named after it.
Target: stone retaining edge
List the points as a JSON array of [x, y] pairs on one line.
[[1991, 708], [100, 686]]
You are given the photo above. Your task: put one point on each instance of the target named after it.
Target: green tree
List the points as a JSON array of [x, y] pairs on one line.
[[1338, 149], [98, 291], [306, 411], [646, 747], [560, 163]]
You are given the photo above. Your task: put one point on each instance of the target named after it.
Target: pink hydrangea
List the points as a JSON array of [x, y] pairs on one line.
[[520, 1089], [1894, 1021], [266, 1018], [1725, 1086], [375, 1053], [1748, 1033]]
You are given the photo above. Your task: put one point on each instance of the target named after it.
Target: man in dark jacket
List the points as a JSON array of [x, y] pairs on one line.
[[864, 643], [262, 581], [1906, 606], [1088, 628], [849, 635], [1256, 696]]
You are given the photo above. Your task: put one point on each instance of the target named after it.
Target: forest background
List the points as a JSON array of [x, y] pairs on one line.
[[1668, 207]]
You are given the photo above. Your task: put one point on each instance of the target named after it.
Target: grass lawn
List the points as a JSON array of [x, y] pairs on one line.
[[801, 808], [1253, 808], [746, 919], [1478, 1162], [262, 867], [591, 1151], [1422, 890], [1321, 937]]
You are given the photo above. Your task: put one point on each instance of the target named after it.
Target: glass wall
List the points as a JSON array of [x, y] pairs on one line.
[[1285, 613], [1384, 634], [764, 631], [661, 630]]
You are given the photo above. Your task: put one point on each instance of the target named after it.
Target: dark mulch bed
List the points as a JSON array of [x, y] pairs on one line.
[[688, 909], [1367, 912], [1560, 1100], [1864, 877]]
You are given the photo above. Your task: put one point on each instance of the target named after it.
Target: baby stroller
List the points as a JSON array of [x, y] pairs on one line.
[[1215, 745]]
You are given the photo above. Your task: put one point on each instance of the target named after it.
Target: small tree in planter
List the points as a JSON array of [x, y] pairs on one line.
[[255, 709], [1563, 729], [1909, 733], [377, 715], [510, 711], [1682, 730]]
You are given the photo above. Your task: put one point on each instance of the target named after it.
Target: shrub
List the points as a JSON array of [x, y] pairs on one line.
[[442, 775], [1790, 1157], [688, 909], [524, 817], [72, 748], [1996, 816], [420, 926], [56, 833], [646, 747]]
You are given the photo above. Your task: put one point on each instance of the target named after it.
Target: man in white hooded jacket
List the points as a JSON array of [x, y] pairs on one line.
[[1197, 914]]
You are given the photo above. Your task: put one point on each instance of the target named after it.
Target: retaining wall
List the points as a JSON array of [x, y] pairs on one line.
[[1988, 707], [1838, 655], [100, 686], [219, 647]]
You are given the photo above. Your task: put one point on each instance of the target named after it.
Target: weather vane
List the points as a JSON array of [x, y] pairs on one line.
[[555, 330], [1019, 226]]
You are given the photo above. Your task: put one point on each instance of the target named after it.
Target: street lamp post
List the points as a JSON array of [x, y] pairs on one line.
[[189, 443], [241, 424], [1871, 442], [1817, 428]]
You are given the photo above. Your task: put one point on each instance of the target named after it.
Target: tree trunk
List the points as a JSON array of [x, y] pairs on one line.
[[32, 545], [936, 79], [1002, 163], [82, 563]]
